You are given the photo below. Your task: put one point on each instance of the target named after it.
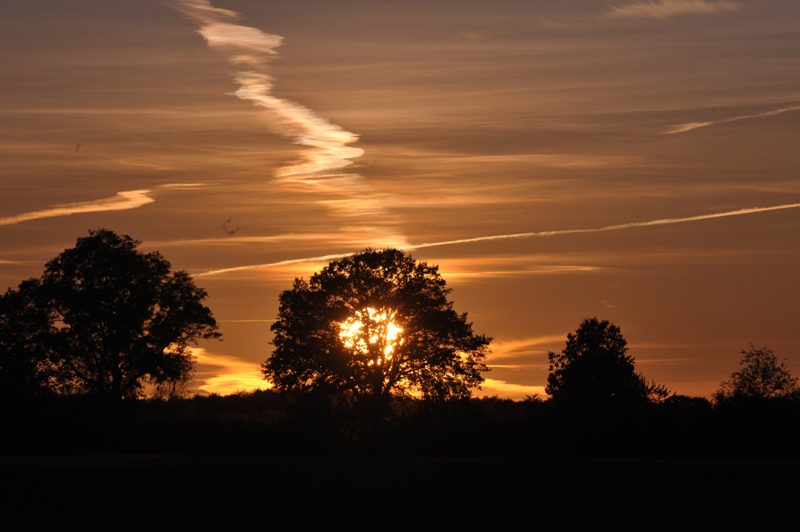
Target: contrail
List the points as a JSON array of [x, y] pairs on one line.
[[618, 227], [683, 128], [321, 169], [130, 199]]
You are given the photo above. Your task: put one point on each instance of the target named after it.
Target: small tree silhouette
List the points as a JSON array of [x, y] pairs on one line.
[[761, 377], [595, 369]]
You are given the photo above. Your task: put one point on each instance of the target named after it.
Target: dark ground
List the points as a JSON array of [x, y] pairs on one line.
[[394, 493]]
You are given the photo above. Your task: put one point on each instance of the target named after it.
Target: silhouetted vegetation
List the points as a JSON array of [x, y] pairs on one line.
[[373, 326], [275, 423], [103, 320], [371, 359], [761, 378], [594, 370]]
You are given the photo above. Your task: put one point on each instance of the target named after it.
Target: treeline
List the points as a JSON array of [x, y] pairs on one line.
[[370, 358], [269, 422]]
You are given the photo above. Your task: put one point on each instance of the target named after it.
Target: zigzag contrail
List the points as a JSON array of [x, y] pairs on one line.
[[618, 227], [321, 169]]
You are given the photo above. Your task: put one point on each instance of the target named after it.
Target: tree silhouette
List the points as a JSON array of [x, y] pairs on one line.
[[595, 369], [109, 318], [372, 325], [761, 377], [25, 343]]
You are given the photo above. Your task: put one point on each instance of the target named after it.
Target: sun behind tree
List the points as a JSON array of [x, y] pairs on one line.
[[373, 325]]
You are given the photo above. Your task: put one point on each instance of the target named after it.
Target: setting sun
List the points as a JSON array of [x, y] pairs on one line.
[[372, 334]]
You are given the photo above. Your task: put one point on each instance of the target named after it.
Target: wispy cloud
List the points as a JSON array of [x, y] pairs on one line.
[[540, 234], [504, 349], [183, 186], [663, 221], [130, 199], [670, 8], [225, 374], [689, 126], [146, 165], [322, 168]]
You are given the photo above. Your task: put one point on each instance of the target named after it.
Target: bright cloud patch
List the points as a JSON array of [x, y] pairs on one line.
[[671, 8], [225, 375], [130, 199], [507, 390]]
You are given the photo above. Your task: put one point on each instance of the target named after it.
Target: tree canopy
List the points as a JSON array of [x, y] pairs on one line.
[[594, 369], [761, 377], [371, 325], [106, 318]]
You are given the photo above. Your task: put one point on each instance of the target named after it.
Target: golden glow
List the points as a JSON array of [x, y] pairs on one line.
[[225, 374], [372, 334]]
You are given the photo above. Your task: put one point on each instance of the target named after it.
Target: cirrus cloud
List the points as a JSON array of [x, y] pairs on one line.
[[670, 8]]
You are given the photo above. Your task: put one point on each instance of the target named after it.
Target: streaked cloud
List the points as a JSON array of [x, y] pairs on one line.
[[689, 126], [505, 349], [671, 8], [507, 390], [149, 166], [677, 361], [131, 199], [617, 227], [224, 374], [321, 170], [183, 186]]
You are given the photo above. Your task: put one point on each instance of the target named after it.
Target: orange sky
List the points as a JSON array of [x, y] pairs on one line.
[[321, 128]]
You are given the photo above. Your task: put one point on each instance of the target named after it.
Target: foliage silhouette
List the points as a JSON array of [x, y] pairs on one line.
[[373, 325], [25, 343], [761, 377], [595, 369], [108, 318]]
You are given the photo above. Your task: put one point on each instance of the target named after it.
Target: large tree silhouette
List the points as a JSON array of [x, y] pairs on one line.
[[108, 319], [595, 369], [371, 325]]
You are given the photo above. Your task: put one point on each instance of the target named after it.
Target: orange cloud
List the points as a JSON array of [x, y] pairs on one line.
[[224, 375], [506, 390]]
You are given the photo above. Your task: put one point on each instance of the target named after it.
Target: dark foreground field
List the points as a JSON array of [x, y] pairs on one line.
[[393, 493]]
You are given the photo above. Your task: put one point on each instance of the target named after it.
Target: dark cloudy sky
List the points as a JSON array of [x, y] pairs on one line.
[[321, 128]]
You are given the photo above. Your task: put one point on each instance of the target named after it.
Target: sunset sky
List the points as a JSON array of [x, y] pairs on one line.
[[637, 161]]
